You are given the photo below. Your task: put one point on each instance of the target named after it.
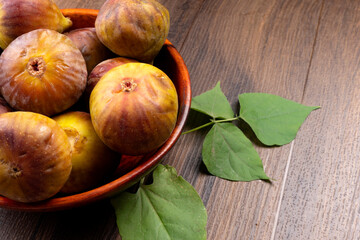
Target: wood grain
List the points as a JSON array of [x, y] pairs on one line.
[[250, 46], [321, 198], [304, 50]]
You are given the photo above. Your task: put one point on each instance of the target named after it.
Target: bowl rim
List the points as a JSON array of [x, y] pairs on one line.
[[121, 183]]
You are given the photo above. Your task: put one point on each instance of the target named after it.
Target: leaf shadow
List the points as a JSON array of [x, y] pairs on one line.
[[268, 181], [203, 169], [249, 133], [196, 119]]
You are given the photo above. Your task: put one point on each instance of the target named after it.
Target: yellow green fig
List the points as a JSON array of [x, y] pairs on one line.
[[21, 16], [42, 71], [134, 108], [133, 28], [35, 156], [92, 161]]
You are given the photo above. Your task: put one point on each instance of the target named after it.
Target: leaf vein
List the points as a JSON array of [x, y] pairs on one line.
[[156, 213]]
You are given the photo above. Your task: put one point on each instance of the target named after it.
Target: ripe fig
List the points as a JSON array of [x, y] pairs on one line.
[[93, 51], [101, 69], [4, 106], [21, 16], [133, 28], [35, 156], [92, 160], [42, 71], [134, 108]]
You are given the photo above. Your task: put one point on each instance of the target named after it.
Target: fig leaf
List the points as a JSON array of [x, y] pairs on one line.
[[228, 154], [169, 209], [213, 103], [274, 120]]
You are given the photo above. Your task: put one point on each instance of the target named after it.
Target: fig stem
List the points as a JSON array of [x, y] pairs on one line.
[[212, 121]]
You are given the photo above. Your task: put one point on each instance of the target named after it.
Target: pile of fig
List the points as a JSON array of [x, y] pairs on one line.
[[74, 101]]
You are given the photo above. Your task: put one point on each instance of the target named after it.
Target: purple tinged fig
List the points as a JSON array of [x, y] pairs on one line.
[[93, 51]]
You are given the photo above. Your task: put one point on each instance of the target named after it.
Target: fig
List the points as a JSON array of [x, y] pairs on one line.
[[42, 71], [93, 51], [4, 106], [134, 108], [21, 16], [101, 69], [92, 160], [35, 156], [133, 28]]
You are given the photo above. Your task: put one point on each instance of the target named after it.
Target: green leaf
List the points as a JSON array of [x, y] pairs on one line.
[[213, 103], [228, 154], [274, 120], [167, 209]]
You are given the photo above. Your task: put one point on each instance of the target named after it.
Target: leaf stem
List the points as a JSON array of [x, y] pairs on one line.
[[212, 121], [197, 128], [225, 120]]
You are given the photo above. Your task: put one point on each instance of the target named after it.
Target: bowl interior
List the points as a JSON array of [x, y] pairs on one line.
[[131, 168]]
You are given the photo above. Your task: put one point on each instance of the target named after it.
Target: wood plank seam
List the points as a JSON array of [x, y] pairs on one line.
[[282, 191], [292, 143], [313, 49]]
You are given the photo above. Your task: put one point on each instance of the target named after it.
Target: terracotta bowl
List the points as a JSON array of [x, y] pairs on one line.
[[131, 169]]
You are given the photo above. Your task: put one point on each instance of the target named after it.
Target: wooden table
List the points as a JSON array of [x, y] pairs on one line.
[[304, 50]]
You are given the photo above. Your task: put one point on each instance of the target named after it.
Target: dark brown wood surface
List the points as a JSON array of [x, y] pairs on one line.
[[304, 50]]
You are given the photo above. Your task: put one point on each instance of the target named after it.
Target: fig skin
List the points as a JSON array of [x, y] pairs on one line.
[[133, 28], [134, 108], [93, 51], [101, 69], [35, 156], [21, 16], [42, 71], [92, 161], [4, 106]]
